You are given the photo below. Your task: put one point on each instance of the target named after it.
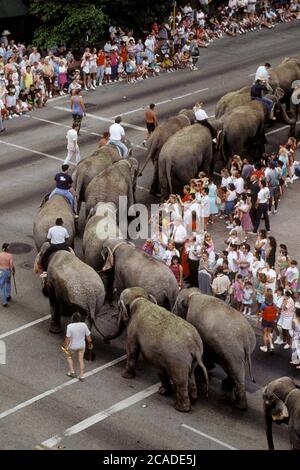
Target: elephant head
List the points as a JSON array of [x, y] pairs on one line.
[[275, 397], [125, 304], [189, 113], [182, 302]]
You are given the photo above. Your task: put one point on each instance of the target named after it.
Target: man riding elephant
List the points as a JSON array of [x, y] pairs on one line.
[[258, 90]]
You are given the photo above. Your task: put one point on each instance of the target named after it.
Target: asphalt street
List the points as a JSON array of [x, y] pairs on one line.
[[41, 407]]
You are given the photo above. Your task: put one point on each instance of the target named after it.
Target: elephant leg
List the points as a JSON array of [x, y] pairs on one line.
[[133, 352], [55, 325], [227, 384], [180, 380], [166, 386], [240, 396], [155, 189]]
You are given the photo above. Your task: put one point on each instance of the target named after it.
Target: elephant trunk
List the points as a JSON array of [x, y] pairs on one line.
[[290, 121], [117, 333], [93, 320], [268, 423]]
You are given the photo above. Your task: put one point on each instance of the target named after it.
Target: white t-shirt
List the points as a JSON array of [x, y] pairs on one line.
[[72, 137], [57, 235], [116, 131], [205, 206], [200, 115], [263, 196], [232, 259], [179, 234], [270, 273], [262, 72], [77, 332], [292, 274], [239, 185], [226, 182]]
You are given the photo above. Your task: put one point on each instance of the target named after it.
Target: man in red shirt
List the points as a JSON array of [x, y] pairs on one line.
[[6, 270]]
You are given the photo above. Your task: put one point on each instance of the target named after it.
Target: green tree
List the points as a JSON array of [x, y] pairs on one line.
[[67, 22]]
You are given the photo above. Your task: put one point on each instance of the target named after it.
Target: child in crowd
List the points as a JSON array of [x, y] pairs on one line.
[[268, 312], [238, 292], [248, 295]]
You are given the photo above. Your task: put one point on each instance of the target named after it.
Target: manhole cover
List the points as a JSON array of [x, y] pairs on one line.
[[28, 266], [19, 248]]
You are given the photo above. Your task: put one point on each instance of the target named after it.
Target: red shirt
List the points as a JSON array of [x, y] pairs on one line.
[[100, 58]]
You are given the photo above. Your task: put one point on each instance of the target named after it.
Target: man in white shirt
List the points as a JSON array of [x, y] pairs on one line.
[[220, 285], [179, 234], [262, 207], [72, 144], [35, 56], [77, 333], [205, 207], [194, 255], [263, 71], [117, 136], [58, 235], [202, 118]]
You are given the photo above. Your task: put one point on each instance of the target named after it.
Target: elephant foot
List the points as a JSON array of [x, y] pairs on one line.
[[184, 407], [55, 328], [227, 384], [128, 374], [240, 404], [165, 391]]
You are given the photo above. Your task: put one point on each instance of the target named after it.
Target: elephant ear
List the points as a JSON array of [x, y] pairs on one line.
[[279, 410], [109, 262], [295, 98]]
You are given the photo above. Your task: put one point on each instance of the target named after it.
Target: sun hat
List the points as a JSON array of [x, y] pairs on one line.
[[6, 32]]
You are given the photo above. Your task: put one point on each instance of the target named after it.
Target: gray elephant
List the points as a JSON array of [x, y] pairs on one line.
[[287, 72], [115, 181], [50, 210], [167, 342], [160, 136], [132, 267], [232, 100], [183, 155], [227, 337], [281, 401], [72, 286], [243, 131], [102, 223], [91, 166]]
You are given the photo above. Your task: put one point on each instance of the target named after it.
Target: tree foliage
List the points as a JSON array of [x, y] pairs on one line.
[[67, 22]]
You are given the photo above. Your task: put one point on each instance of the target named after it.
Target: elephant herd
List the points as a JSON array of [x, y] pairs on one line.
[[179, 149], [183, 334]]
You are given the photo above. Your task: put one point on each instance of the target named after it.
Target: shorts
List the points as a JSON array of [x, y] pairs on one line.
[[77, 118], [72, 351], [229, 207], [150, 127], [267, 324]]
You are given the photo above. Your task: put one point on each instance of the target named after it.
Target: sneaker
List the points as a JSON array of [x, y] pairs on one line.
[[50, 95], [275, 211], [263, 348], [278, 341], [86, 88], [286, 346], [92, 87], [271, 347]]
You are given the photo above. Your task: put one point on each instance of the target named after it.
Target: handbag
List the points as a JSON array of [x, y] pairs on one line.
[[89, 353]]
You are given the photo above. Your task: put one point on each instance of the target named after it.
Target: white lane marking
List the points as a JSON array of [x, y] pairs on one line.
[[20, 147], [24, 327], [143, 189], [280, 129], [207, 436], [102, 415], [64, 125], [29, 402], [162, 102], [100, 118]]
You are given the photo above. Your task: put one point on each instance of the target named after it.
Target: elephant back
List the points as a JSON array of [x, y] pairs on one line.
[[55, 207], [231, 100]]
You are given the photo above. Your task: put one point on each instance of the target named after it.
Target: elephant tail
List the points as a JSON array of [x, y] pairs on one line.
[[92, 311], [248, 360], [198, 358]]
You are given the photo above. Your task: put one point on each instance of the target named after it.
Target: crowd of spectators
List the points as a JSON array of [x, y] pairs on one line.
[[251, 280], [29, 77]]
